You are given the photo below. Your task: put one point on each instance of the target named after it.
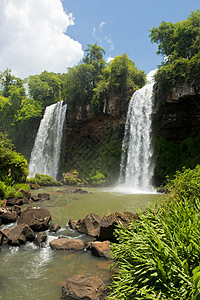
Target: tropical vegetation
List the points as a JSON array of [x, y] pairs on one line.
[[13, 169], [180, 44], [158, 255]]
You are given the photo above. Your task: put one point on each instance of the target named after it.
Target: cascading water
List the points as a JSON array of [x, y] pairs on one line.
[[136, 168], [46, 151]]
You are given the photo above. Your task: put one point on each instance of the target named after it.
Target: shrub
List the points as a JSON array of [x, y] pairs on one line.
[[97, 179], [2, 189], [44, 180], [158, 255]]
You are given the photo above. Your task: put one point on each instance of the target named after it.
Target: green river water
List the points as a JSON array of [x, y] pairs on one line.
[[28, 272]]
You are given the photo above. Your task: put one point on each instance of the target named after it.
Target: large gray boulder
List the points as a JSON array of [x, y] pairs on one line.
[[36, 218], [81, 287]]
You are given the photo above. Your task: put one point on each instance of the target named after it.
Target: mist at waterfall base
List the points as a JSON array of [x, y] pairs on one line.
[[45, 154], [136, 168]]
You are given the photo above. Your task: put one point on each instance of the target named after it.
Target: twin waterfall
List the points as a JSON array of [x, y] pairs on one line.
[[136, 169], [46, 151]]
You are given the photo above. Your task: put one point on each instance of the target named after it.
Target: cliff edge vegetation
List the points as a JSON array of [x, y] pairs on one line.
[[176, 121]]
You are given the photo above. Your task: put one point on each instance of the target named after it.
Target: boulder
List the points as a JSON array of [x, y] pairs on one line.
[[25, 193], [54, 227], [44, 196], [16, 201], [81, 287], [100, 249], [18, 209], [35, 198], [109, 223], [7, 216], [74, 190], [36, 218], [40, 239], [18, 235], [67, 244], [89, 225], [34, 186]]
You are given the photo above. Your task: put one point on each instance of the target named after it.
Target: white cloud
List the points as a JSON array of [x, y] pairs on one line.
[[33, 37], [109, 59], [101, 25], [109, 42]]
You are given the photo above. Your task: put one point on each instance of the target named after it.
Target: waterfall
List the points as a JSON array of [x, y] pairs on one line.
[[46, 150], [136, 168]]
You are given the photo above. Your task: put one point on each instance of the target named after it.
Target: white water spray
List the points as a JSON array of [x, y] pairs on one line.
[[136, 168], [46, 151]]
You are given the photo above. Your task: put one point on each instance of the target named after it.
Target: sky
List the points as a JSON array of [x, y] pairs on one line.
[[51, 35]]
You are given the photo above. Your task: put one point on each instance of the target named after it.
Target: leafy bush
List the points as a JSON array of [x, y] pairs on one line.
[[2, 189], [22, 186], [97, 179], [44, 180], [158, 256]]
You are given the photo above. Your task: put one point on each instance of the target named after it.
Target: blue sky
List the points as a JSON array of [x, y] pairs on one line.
[[125, 25], [38, 35]]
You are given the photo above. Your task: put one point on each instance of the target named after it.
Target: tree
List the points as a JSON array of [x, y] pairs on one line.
[[94, 53], [45, 88], [181, 39]]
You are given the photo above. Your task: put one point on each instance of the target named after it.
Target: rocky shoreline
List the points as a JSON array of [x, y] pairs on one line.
[[33, 224]]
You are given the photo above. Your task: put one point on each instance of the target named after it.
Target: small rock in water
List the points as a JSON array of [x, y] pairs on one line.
[[74, 191], [44, 196], [54, 227]]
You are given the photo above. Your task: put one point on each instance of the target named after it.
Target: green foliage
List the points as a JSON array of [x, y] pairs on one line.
[[13, 166], [43, 180], [96, 156], [180, 43], [45, 88], [171, 156], [22, 186], [120, 76], [2, 189], [72, 178], [158, 255], [97, 178], [180, 39]]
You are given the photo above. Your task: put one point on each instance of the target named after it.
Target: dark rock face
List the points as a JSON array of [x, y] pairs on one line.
[[16, 201], [67, 244], [40, 239], [178, 117], [100, 249], [18, 235], [109, 222], [7, 216], [54, 227], [37, 218], [88, 225], [80, 287]]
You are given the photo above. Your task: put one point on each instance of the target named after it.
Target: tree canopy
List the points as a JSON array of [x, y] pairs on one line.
[[181, 39], [180, 44]]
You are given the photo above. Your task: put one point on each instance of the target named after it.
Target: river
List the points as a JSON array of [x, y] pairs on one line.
[[30, 273]]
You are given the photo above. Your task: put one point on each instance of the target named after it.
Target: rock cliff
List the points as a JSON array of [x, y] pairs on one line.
[[93, 142], [176, 116], [176, 129]]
